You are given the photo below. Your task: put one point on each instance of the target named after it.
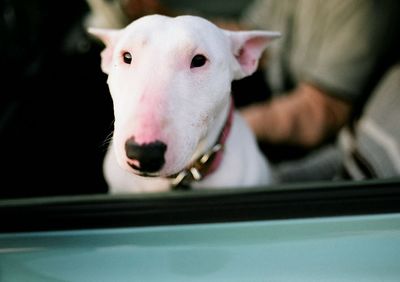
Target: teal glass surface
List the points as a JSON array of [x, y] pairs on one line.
[[358, 248]]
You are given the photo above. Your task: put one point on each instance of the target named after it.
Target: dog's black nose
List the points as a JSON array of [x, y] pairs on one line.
[[148, 157]]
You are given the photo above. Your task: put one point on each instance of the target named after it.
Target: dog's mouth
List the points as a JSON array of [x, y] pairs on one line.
[[136, 170]]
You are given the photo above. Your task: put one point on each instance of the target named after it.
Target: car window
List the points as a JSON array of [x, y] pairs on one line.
[[57, 114]]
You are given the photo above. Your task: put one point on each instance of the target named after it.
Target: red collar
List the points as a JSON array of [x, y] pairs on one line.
[[207, 163]]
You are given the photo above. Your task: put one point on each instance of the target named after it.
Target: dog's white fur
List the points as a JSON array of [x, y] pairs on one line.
[[160, 97]]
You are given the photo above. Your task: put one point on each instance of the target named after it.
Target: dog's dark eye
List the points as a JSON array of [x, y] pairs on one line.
[[198, 61], [127, 58]]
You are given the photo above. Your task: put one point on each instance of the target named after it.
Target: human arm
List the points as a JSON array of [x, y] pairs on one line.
[[305, 117], [338, 50]]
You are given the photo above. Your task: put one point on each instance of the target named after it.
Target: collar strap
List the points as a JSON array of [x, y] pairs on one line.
[[206, 163]]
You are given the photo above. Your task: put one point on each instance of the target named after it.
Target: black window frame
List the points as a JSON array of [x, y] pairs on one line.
[[301, 200]]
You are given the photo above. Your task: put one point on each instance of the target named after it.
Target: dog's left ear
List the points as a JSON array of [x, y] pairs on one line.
[[108, 37], [247, 47]]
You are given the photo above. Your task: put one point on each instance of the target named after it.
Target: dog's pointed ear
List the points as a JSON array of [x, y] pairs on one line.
[[247, 47], [108, 37]]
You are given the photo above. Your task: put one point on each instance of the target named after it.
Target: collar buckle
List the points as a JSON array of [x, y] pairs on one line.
[[193, 173]]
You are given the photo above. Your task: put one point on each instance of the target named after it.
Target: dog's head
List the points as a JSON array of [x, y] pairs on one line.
[[170, 81]]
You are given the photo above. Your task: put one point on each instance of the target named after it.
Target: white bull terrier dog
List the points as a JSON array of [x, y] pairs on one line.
[[170, 81]]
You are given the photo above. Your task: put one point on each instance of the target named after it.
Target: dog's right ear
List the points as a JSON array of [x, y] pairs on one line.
[[109, 38]]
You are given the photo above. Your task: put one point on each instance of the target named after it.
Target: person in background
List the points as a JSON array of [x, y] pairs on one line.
[[321, 73], [322, 68]]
